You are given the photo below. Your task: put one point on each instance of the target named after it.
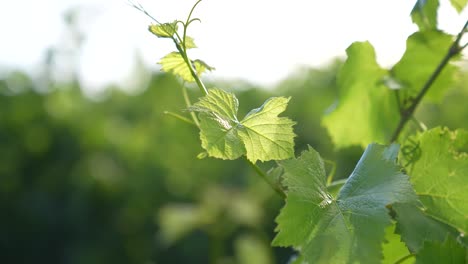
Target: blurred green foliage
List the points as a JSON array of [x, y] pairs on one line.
[[115, 180]]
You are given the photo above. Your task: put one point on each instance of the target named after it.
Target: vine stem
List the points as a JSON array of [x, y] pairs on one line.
[[406, 114], [180, 117], [188, 103], [401, 260], [183, 51], [264, 176]]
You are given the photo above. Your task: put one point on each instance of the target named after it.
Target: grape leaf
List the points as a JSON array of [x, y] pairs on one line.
[[393, 248], [367, 110], [439, 174], [424, 14], [166, 30], [190, 43], [261, 135], [415, 227], [347, 228], [459, 5], [424, 51], [449, 252], [175, 63]]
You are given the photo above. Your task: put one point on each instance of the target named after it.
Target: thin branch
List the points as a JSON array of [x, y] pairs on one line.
[[180, 117], [140, 8], [337, 183], [264, 176], [193, 72], [331, 175], [464, 46], [188, 103], [407, 113], [401, 260]]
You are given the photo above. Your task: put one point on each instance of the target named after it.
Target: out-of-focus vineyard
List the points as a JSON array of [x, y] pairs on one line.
[[116, 180]]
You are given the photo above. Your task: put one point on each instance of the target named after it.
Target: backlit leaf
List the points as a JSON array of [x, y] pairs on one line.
[[393, 248], [189, 43], [424, 14], [459, 5], [175, 63], [261, 135], [348, 228], [166, 30], [367, 110], [424, 51], [439, 174]]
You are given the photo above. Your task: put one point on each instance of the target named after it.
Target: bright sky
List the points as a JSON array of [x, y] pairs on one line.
[[258, 40]]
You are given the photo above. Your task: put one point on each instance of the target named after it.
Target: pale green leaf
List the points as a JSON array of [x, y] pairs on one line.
[[393, 248], [366, 110], [166, 30], [459, 5], [438, 166], [175, 63], [201, 66], [261, 135], [449, 252], [267, 136], [219, 124], [351, 227], [189, 43], [424, 51]]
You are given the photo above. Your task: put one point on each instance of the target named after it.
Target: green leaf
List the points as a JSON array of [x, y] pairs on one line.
[[218, 124], [189, 43], [175, 63], [393, 248], [166, 30], [201, 66], [424, 14], [439, 174], [350, 227], [367, 110], [261, 135], [449, 252], [424, 52], [267, 136], [459, 5], [416, 227]]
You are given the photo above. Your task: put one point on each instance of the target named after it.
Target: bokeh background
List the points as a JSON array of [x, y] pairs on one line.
[[93, 171]]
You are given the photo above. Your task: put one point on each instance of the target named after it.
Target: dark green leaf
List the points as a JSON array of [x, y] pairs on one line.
[[449, 252], [347, 228], [416, 227]]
